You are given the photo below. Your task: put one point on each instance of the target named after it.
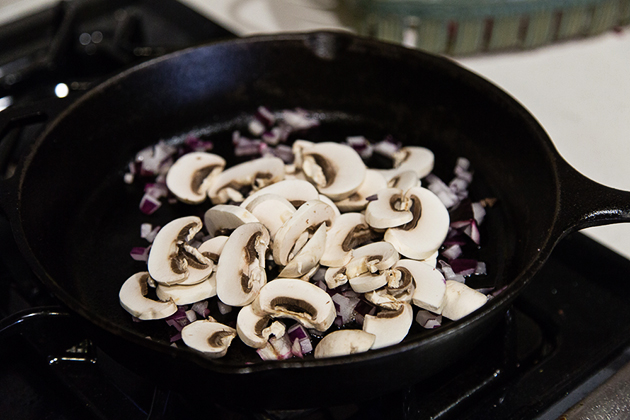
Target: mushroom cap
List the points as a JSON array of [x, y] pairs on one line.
[[168, 262], [296, 191], [343, 342], [211, 249], [184, 295], [376, 256], [423, 235], [414, 158], [298, 300], [342, 168], [272, 210], [390, 209], [404, 180], [331, 203], [209, 337], [367, 282], [269, 170], [374, 181], [309, 216], [389, 327], [132, 299], [430, 284], [226, 217], [252, 328], [347, 231], [192, 174], [308, 257], [335, 277], [241, 269], [461, 300]]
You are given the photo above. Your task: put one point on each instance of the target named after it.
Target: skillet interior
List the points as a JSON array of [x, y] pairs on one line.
[[79, 219]]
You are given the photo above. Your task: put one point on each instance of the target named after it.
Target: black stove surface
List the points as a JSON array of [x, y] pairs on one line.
[[572, 320]]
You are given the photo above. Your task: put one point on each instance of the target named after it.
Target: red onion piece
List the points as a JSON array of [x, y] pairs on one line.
[[299, 333], [296, 349], [200, 308], [452, 252], [176, 337], [428, 320], [299, 119], [265, 116], [267, 353], [282, 346], [140, 253], [149, 204]]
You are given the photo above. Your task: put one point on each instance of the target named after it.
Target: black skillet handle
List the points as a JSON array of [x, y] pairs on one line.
[[11, 120], [585, 203]]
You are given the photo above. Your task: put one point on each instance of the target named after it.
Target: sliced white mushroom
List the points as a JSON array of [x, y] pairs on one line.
[[170, 255], [374, 181], [389, 327], [254, 330], [331, 203], [133, 299], [211, 249], [398, 291], [414, 158], [335, 277], [347, 231], [298, 300], [390, 209], [335, 169], [241, 269], [296, 191], [222, 219], [297, 148], [308, 256], [308, 217], [424, 234], [343, 342], [371, 258], [430, 284], [367, 282], [184, 295], [192, 174], [461, 300], [209, 337], [254, 174], [271, 210], [404, 180]]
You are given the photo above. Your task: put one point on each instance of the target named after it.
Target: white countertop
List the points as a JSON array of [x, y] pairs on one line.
[[578, 90]]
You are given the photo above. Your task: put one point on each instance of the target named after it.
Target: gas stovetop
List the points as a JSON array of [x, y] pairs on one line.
[[571, 324]]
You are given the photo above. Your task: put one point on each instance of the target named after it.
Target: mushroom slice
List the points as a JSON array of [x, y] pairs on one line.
[[374, 181], [296, 191], [430, 284], [254, 330], [372, 258], [271, 210], [335, 169], [222, 219], [343, 342], [192, 174], [404, 180], [347, 231], [399, 290], [414, 158], [298, 150], [308, 257], [367, 282], [390, 209], [424, 234], [241, 268], [308, 217], [132, 299], [298, 300], [184, 295], [209, 337], [256, 173], [460, 300], [335, 277], [211, 249], [331, 203], [389, 327], [168, 257]]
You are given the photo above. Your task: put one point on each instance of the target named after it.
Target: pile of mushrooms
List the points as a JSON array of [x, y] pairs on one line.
[[323, 222]]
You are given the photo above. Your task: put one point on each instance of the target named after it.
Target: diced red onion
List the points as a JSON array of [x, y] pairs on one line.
[[265, 116], [463, 266], [296, 349], [140, 253], [444, 193], [149, 204], [346, 306], [191, 315], [299, 119], [200, 308], [479, 212], [283, 152], [481, 268], [128, 178], [449, 273], [247, 147], [134, 319], [386, 148], [174, 323], [361, 145], [298, 332], [452, 252], [372, 197], [256, 127], [148, 232], [428, 320], [282, 346], [223, 308], [176, 337]]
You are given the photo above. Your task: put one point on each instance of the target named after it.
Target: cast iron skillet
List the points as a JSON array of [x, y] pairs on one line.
[[75, 220]]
